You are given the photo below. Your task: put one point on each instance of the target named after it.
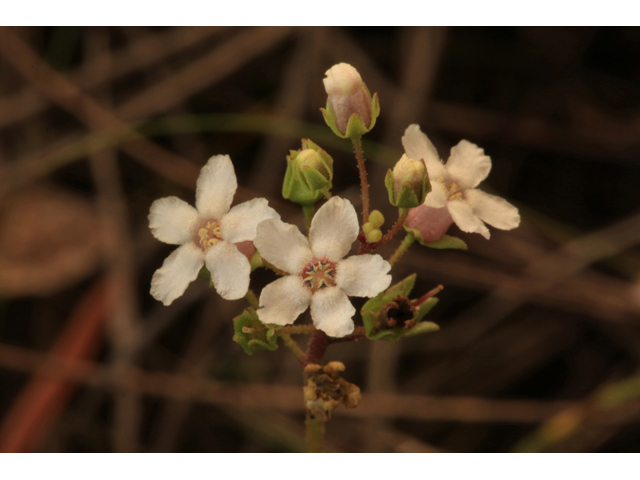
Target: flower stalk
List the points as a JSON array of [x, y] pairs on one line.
[[402, 248], [364, 183]]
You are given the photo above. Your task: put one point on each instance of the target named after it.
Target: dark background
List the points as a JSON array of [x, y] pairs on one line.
[[539, 337]]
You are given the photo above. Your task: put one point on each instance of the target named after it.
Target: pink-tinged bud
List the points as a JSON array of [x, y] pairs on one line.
[[430, 223], [246, 248], [348, 95]]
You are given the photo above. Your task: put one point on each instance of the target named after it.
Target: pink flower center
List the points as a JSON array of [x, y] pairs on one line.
[[206, 233], [319, 274]]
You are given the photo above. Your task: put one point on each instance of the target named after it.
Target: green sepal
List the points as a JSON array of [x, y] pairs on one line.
[[355, 127], [314, 179], [293, 188], [262, 337], [375, 109], [445, 242], [372, 309], [205, 275], [407, 196]]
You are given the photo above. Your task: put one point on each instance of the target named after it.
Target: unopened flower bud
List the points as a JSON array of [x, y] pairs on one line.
[[314, 171], [374, 235], [427, 223], [408, 183], [309, 173], [351, 111], [376, 218]]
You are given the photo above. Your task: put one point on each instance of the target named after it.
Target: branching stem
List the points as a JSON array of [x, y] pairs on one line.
[[368, 247]]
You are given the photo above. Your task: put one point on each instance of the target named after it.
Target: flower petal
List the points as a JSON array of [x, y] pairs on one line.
[[332, 312], [418, 146], [468, 165], [216, 187], [177, 272], [363, 275], [282, 245], [229, 270], [437, 197], [283, 300], [465, 219], [333, 230], [239, 225], [171, 220], [494, 210]]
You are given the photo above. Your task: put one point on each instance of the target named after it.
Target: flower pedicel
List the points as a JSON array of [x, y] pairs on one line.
[[206, 234]]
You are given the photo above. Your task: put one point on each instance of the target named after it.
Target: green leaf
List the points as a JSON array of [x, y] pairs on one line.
[[445, 242], [422, 327], [252, 334], [425, 307]]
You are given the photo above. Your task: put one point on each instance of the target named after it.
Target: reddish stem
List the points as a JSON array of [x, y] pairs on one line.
[[427, 296], [317, 347], [364, 184]]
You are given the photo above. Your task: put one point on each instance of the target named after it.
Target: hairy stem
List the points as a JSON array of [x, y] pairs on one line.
[[297, 330], [401, 250], [364, 183]]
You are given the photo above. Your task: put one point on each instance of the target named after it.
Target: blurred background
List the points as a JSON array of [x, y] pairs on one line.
[[539, 345]]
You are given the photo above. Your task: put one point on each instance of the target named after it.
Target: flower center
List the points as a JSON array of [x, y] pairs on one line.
[[206, 233], [453, 191], [319, 274]]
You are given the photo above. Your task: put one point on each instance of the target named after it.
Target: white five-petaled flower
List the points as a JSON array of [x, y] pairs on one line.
[[454, 185], [206, 234], [318, 274]]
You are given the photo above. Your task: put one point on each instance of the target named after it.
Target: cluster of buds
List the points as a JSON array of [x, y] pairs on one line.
[[309, 174], [371, 229], [326, 390]]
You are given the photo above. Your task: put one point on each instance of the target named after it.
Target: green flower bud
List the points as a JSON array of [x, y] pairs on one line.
[[374, 235], [309, 172], [351, 111], [315, 171], [376, 218], [408, 183]]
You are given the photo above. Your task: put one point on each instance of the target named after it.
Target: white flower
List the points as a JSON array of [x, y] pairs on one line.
[[318, 274], [453, 185], [206, 235]]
